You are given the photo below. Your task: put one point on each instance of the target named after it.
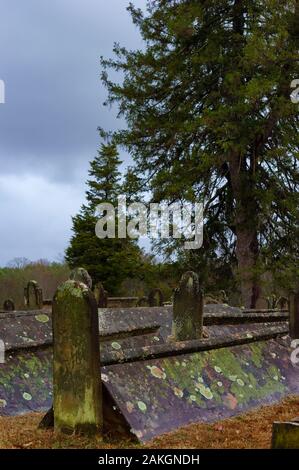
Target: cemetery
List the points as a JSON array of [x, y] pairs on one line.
[[140, 372], [149, 276]]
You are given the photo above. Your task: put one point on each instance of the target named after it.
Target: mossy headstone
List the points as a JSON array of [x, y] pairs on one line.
[[81, 275], [155, 298], [8, 305], [285, 435], [188, 309], [76, 371], [33, 296], [100, 295]]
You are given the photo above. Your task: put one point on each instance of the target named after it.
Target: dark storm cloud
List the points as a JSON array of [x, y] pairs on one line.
[[49, 60]]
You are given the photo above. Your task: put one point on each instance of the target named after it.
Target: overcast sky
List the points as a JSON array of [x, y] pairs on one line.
[[49, 61]]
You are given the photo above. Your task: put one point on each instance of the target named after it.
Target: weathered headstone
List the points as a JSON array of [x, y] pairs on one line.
[[81, 275], [155, 298], [33, 296], [8, 305], [76, 368], [188, 309], [294, 316], [100, 295], [285, 435], [283, 303]]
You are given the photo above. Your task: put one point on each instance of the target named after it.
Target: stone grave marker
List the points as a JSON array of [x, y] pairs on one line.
[[8, 305], [285, 435], [100, 295], [76, 361], [33, 296], [155, 298], [81, 275], [188, 309]]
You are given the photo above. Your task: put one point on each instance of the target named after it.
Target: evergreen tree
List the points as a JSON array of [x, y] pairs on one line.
[[209, 117], [109, 261]]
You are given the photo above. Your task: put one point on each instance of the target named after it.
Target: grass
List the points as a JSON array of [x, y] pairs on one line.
[[250, 431]]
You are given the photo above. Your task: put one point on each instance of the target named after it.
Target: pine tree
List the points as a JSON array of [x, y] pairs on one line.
[[109, 261], [209, 117]]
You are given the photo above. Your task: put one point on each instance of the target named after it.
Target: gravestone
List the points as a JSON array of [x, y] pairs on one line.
[[188, 309], [294, 316], [8, 305], [81, 275], [100, 295], [155, 298], [33, 296], [156, 386], [285, 435], [283, 303], [76, 361]]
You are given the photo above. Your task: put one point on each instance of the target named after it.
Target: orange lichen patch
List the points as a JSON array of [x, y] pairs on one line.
[[251, 430]]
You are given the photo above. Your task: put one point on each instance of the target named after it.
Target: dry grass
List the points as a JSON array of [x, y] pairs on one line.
[[251, 430]]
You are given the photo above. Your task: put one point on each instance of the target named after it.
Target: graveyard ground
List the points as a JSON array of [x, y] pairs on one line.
[[251, 430]]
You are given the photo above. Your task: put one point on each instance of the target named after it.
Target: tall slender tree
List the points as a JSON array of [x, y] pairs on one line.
[[109, 261], [209, 117]]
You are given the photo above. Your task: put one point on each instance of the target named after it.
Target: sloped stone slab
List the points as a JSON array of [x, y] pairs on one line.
[[157, 396]]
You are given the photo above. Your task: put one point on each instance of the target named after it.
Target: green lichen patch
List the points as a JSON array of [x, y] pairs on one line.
[[142, 406], [27, 396], [157, 372], [42, 318]]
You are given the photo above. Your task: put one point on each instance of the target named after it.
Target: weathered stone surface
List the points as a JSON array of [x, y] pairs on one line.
[[283, 303], [100, 295], [155, 298], [26, 381], [166, 393], [188, 309], [33, 296], [118, 352], [294, 316], [155, 385], [81, 275], [26, 329], [134, 327], [76, 366], [8, 305], [285, 435]]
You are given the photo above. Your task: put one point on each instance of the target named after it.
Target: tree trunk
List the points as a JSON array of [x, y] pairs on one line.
[[246, 226], [246, 253]]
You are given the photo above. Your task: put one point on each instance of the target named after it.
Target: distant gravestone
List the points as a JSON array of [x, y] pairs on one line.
[[33, 296], [81, 275], [283, 303], [8, 305], [155, 298], [188, 309], [100, 295], [76, 367], [294, 316]]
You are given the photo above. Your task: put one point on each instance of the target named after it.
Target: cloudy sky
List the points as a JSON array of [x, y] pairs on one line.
[[49, 61]]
